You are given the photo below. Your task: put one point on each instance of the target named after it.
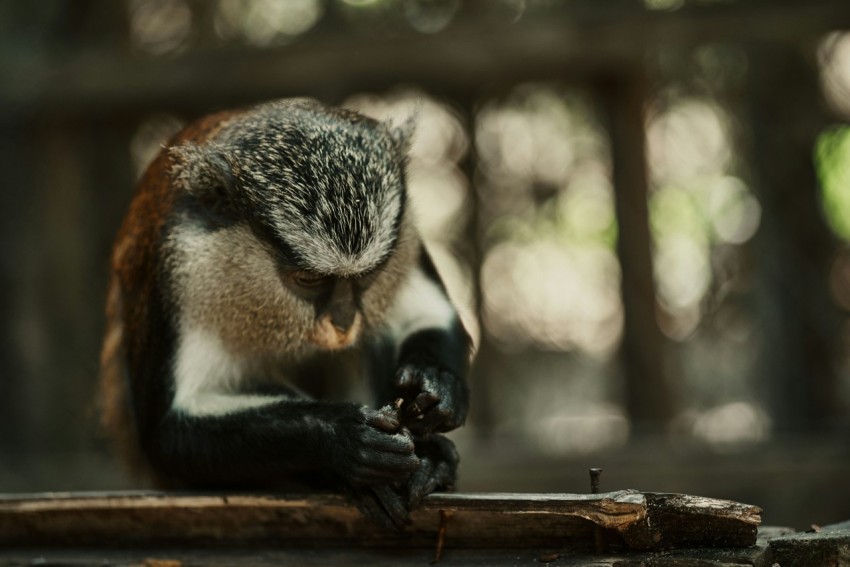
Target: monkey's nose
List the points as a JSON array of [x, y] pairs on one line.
[[344, 326], [338, 334], [342, 320]]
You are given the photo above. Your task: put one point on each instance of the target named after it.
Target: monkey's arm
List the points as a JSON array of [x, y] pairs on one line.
[[433, 353], [259, 445], [217, 432]]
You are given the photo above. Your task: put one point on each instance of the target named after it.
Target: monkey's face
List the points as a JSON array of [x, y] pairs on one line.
[[231, 282], [313, 237]]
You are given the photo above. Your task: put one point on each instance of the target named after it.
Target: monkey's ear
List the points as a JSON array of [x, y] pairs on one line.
[[202, 169], [403, 133]]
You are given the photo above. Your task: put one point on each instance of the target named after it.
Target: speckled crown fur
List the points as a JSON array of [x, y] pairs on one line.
[[327, 184]]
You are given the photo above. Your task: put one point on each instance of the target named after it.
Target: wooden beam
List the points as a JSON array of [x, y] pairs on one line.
[[479, 49], [649, 399], [627, 519]]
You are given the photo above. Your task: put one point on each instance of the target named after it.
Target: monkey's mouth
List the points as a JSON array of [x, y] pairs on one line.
[[328, 336]]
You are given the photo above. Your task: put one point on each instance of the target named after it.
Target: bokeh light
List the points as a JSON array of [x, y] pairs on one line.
[[553, 296], [550, 278], [159, 26], [730, 426], [266, 22], [580, 429], [430, 16], [697, 203], [688, 139], [834, 59], [664, 4], [832, 156]]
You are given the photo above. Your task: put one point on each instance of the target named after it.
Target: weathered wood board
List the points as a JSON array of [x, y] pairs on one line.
[[617, 529], [617, 520]]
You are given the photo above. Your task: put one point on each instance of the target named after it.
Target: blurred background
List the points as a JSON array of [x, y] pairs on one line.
[[641, 208]]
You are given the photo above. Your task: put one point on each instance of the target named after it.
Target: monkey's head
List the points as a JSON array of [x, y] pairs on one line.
[[312, 201]]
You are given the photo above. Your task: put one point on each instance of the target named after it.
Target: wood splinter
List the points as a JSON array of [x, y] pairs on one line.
[[441, 537]]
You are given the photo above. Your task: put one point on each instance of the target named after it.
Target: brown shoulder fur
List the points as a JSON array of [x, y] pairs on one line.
[[134, 268]]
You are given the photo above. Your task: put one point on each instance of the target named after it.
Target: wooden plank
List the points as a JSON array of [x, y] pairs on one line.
[[626, 519]]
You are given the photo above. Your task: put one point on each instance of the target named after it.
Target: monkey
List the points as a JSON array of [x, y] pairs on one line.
[[269, 296]]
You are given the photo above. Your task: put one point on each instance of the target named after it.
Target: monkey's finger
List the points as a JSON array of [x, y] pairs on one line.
[[444, 477], [363, 475], [420, 491], [370, 477], [384, 422], [417, 487], [391, 443], [433, 420], [393, 506], [427, 399], [452, 421], [376, 476], [384, 467], [421, 404], [439, 476], [382, 460], [367, 503], [407, 377], [456, 412]]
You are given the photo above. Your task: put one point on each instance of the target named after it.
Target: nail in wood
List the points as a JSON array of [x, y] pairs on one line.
[[594, 480]]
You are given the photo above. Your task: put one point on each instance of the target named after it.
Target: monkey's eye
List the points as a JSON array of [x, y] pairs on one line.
[[310, 281]]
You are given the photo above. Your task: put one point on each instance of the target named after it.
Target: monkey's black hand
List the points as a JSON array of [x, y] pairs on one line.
[[436, 400], [369, 448], [438, 462]]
